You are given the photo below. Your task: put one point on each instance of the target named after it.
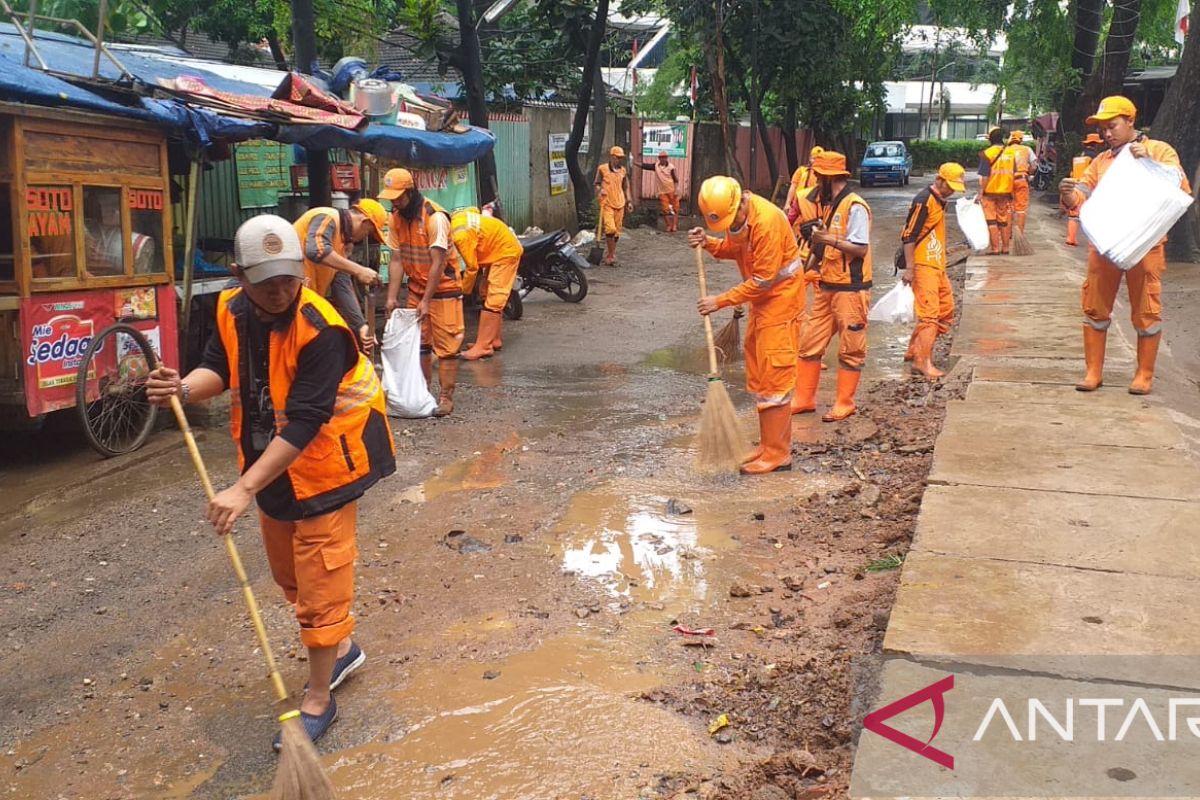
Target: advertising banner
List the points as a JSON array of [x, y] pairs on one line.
[[263, 171], [56, 330], [451, 188], [560, 179], [668, 137]]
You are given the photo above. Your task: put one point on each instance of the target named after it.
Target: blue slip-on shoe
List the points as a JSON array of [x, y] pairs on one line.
[[342, 668], [347, 664], [314, 726]]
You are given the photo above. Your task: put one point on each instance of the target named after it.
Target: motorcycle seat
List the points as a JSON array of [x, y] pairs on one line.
[[539, 242]]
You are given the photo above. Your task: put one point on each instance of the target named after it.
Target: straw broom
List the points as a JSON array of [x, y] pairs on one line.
[[722, 446], [300, 775], [729, 339], [1020, 243]]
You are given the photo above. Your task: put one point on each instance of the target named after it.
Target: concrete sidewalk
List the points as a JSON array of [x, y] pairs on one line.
[[1057, 524]]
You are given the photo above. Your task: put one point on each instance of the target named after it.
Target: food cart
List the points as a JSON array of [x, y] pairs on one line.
[[85, 270]]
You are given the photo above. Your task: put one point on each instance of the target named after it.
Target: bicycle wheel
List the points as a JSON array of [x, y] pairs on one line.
[[110, 390]]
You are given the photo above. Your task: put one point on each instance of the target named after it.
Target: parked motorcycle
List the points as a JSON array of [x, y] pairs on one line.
[[552, 263], [1043, 178]]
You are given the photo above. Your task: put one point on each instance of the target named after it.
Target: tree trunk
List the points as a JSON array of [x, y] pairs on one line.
[[472, 74], [596, 154], [715, 55], [1109, 75], [591, 65], [789, 136], [281, 61], [1086, 15], [1177, 121], [304, 45]]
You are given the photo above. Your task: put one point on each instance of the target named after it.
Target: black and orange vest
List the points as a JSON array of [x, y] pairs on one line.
[[319, 276], [412, 242], [839, 271], [354, 449]]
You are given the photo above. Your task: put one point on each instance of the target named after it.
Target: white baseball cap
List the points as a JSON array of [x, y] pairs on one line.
[[267, 247]]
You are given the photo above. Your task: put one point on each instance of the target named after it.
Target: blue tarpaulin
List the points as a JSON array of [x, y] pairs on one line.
[[199, 125]]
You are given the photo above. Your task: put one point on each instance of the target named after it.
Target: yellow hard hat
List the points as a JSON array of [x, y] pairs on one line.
[[719, 200], [375, 214], [396, 182]]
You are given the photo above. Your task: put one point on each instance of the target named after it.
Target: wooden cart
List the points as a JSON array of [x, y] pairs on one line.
[[86, 270]]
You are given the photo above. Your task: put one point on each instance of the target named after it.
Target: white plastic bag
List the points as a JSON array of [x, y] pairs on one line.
[[895, 306], [972, 222], [407, 394], [1133, 208]]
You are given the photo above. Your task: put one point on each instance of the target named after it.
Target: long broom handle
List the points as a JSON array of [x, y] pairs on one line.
[[281, 691], [713, 369]]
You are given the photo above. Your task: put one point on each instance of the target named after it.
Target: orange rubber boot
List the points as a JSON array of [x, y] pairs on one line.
[[1094, 342], [847, 385], [1072, 231], [489, 325], [923, 353], [1147, 354], [910, 353], [808, 376], [447, 379], [775, 427]]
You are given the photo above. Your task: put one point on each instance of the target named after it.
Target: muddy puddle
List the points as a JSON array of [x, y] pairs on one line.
[[561, 720]]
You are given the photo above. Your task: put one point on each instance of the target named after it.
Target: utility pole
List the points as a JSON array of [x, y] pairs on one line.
[[304, 44]]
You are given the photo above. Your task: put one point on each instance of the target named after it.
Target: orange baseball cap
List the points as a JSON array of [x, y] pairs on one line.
[[396, 182], [1093, 138], [1111, 108], [1016, 137], [375, 214], [830, 164], [616, 151], [952, 174]]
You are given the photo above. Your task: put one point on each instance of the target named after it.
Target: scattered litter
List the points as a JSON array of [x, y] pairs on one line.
[[718, 724], [678, 508], [464, 542], [686, 631], [491, 675]]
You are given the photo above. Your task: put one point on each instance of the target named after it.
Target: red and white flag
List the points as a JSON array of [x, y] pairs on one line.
[[692, 92], [1181, 21]]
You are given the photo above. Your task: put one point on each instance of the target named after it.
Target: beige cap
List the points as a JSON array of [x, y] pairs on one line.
[[267, 247]]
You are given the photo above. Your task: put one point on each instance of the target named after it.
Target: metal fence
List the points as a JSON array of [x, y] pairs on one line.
[[512, 168]]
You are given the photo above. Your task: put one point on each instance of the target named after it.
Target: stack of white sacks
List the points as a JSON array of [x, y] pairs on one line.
[[1133, 208]]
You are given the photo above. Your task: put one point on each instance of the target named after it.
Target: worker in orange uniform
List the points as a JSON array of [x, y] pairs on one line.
[[612, 187], [997, 169], [328, 234], [1092, 146], [758, 237], [924, 240], [840, 237], [486, 243], [802, 180], [420, 243], [1024, 164], [667, 188], [310, 424], [1115, 118]]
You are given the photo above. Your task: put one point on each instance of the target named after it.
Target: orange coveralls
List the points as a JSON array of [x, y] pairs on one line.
[[934, 299], [612, 205], [843, 297], [769, 260], [486, 242], [997, 197], [1079, 165], [1023, 159], [1144, 281], [442, 331]]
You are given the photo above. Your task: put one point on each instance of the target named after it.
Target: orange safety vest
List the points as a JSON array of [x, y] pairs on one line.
[[411, 241], [1003, 162], [804, 178], [1079, 165], [482, 240], [319, 276], [352, 451], [839, 271]]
